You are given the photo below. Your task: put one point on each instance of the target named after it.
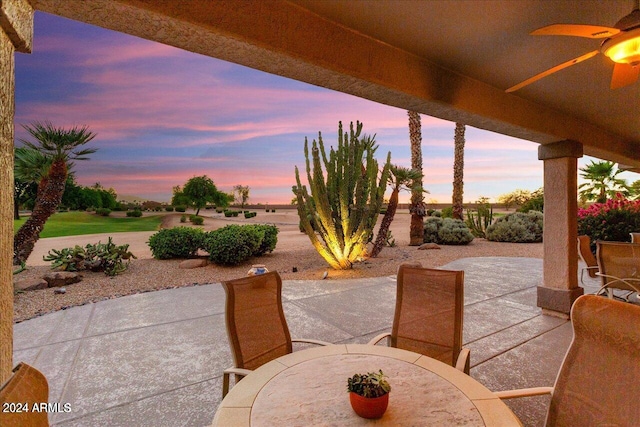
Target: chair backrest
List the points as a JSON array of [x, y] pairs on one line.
[[598, 382], [618, 262], [635, 237], [429, 310], [584, 251], [27, 386], [256, 326]]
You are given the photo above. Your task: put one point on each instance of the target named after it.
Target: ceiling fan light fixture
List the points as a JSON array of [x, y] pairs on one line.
[[624, 49]]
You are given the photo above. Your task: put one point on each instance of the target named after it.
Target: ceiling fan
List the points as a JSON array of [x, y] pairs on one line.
[[621, 45]]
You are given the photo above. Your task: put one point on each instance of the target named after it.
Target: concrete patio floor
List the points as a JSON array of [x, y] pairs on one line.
[[156, 359]]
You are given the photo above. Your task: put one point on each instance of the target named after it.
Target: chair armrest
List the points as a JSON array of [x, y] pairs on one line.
[[375, 340], [523, 392], [310, 341], [462, 364], [238, 371]]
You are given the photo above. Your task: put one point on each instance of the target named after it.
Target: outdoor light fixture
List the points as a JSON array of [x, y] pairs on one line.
[[621, 45], [624, 49]]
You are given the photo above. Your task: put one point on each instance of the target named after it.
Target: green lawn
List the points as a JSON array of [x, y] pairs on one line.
[[75, 223]]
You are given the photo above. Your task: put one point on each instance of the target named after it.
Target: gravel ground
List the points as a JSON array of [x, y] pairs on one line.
[[293, 250]]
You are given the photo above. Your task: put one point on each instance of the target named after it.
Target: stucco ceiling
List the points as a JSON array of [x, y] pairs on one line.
[[489, 41]]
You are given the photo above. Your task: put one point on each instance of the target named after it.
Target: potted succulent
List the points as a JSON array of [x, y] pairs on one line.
[[369, 394]]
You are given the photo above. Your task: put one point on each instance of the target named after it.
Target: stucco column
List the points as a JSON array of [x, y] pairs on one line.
[[16, 34], [560, 266]]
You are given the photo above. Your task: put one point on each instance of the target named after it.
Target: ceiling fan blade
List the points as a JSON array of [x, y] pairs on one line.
[[624, 75], [577, 30], [553, 70]]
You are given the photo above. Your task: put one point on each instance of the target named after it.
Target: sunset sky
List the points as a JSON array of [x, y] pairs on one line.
[[163, 115]]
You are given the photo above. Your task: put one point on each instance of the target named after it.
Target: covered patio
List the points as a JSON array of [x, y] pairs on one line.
[[448, 59]]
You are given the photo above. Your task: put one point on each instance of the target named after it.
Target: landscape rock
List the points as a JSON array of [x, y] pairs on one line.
[[428, 246], [62, 278], [29, 284], [60, 291], [194, 263]]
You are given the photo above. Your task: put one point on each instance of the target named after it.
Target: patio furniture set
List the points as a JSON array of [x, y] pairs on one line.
[[617, 264], [423, 361]]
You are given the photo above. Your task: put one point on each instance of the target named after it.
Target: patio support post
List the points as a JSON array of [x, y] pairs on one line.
[[560, 264], [16, 34]]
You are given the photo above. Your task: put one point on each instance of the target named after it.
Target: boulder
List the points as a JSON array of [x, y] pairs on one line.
[[428, 246], [194, 263], [62, 278], [30, 284]]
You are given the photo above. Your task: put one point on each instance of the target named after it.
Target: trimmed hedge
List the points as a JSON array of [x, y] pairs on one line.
[[103, 211], [177, 242], [136, 213], [233, 244]]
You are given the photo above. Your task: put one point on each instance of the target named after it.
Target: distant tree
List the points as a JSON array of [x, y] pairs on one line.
[[417, 208], [634, 189], [201, 190], [179, 197], [24, 192], [515, 198], [602, 182], [46, 160], [458, 171], [241, 193]]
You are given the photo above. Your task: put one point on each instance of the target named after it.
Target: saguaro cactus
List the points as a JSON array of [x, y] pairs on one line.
[[344, 204]]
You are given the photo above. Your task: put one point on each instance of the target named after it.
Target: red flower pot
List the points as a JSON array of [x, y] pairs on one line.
[[369, 407]]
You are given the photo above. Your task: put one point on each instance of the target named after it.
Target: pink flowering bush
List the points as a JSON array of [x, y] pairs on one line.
[[612, 220]]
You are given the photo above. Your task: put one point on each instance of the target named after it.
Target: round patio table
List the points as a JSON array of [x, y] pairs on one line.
[[309, 387]]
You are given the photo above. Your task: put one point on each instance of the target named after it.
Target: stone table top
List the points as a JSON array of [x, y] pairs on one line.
[[309, 387]]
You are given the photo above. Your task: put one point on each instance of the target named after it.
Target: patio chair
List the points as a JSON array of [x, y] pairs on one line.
[[26, 386], [597, 384], [619, 264], [586, 256], [256, 326], [428, 315]]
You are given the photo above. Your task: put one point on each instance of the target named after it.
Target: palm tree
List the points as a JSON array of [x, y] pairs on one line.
[[47, 161], [602, 181], [417, 208], [400, 177], [458, 171]]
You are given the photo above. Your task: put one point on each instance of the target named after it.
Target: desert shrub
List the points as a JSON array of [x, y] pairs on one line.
[[198, 220], [177, 242], [273, 210], [480, 219], [191, 217], [136, 213], [218, 210], [431, 227], [107, 257], [181, 208], [168, 208], [103, 211], [430, 212], [447, 212], [437, 214], [517, 227], [228, 214], [233, 244], [446, 231], [612, 221], [250, 214], [183, 218], [269, 239]]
